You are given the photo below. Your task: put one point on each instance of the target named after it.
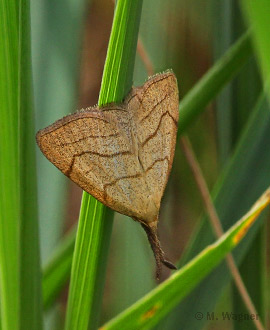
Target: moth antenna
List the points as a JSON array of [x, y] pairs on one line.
[[153, 239]]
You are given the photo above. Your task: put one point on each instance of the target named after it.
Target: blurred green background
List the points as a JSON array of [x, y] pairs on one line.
[[230, 139]]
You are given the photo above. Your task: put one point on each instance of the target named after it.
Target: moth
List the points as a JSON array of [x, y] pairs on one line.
[[122, 154]]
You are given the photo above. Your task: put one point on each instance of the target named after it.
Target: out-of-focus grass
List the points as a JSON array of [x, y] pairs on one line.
[[9, 166], [19, 240], [211, 83], [233, 108], [30, 316], [231, 198], [257, 13]]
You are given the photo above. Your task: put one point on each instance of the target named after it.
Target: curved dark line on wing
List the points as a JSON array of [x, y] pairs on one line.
[[142, 89], [108, 176], [155, 81], [156, 161], [138, 175], [68, 172], [140, 101], [156, 130], [132, 97], [100, 167], [154, 107], [91, 137], [63, 122]]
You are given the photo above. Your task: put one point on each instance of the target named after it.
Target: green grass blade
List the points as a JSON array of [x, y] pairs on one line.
[[148, 311], [92, 242], [257, 13], [9, 165], [30, 275], [119, 65], [87, 264], [212, 82], [20, 282]]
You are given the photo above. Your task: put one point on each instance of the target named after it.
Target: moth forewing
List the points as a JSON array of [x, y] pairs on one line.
[[122, 154]]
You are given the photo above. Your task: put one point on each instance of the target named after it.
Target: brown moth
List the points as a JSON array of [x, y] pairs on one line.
[[122, 154]]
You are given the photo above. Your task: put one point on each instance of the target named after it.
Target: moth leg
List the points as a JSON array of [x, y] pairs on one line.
[[151, 232]]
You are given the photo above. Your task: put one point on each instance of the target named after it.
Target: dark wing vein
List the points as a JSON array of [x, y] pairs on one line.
[[156, 130]]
